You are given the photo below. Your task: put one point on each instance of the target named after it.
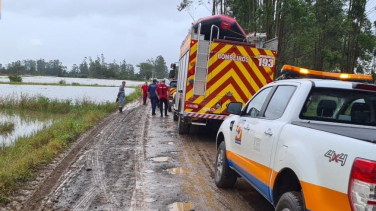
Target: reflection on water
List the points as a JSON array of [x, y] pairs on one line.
[[95, 94], [24, 126], [85, 81], [181, 206]]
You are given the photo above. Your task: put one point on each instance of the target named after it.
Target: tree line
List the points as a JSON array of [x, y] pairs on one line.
[[89, 68], [328, 35]]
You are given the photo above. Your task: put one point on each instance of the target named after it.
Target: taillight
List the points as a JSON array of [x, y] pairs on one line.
[[362, 185], [191, 105]]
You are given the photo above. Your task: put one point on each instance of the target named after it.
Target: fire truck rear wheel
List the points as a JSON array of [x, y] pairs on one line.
[[182, 126], [169, 108]]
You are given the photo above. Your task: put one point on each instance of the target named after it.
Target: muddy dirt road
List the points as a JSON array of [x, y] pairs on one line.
[[135, 161]]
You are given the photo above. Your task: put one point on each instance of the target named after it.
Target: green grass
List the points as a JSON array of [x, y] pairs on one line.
[[19, 162], [6, 127]]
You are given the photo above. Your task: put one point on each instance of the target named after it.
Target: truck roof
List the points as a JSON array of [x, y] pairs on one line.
[[324, 83]]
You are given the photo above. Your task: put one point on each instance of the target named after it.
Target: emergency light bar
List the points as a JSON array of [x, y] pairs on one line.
[[297, 72]]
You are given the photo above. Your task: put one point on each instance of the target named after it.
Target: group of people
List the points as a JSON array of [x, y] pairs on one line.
[[158, 94]]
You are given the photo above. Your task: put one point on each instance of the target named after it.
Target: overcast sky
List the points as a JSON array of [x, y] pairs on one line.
[[69, 30]]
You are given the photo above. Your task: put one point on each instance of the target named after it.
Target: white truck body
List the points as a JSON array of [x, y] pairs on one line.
[[314, 156]]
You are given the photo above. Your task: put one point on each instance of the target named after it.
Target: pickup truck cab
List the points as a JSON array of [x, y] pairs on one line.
[[304, 144]]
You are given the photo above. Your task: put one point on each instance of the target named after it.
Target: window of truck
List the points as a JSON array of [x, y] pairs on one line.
[[279, 101], [340, 105], [173, 84]]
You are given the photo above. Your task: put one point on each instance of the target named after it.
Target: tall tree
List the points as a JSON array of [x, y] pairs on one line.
[[160, 67]]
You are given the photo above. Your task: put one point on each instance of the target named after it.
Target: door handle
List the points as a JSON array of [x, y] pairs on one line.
[[269, 132], [247, 127]]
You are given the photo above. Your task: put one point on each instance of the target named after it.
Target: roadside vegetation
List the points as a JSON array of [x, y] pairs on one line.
[[6, 127], [19, 162]]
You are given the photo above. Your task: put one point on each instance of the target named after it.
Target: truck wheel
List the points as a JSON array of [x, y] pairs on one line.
[[225, 177], [175, 116], [290, 201], [169, 108], [182, 127]]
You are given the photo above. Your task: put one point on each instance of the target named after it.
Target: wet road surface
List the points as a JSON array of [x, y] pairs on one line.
[[135, 161]]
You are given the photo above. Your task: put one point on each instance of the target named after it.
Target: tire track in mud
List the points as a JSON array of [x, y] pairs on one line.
[[199, 154], [101, 193], [52, 173], [101, 172], [99, 186], [140, 156]]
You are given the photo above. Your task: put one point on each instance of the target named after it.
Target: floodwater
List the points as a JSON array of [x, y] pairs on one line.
[[24, 126], [83, 81], [95, 94]]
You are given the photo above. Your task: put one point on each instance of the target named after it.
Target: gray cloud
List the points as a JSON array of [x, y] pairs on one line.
[[70, 30]]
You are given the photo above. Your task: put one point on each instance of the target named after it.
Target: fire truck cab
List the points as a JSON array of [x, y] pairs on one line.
[[218, 66]]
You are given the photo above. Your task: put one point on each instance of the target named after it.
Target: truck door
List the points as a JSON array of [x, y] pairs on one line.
[[243, 136], [266, 132]]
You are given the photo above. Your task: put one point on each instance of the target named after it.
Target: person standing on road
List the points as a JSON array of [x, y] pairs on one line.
[[157, 93], [144, 89], [121, 96], [162, 92], [152, 95]]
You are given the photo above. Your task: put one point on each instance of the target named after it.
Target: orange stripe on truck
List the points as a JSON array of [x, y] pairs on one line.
[[320, 198]]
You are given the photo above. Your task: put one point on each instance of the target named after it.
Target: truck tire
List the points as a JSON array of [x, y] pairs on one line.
[[182, 127], [224, 177], [175, 116], [169, 108], [290, 201]]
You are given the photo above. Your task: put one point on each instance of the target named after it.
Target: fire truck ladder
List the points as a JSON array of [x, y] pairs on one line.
[[202, 64]]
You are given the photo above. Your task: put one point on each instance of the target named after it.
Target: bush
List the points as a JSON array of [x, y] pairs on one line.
[[15, 78], [62, 81]]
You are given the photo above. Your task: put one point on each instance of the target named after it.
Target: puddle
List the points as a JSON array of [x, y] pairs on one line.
[[161, 159], [24, 126], [181, 206], [149, 171], [149, 200], [170, 143], [178, 171]]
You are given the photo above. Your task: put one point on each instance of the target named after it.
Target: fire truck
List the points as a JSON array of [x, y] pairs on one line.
[[217, 66]]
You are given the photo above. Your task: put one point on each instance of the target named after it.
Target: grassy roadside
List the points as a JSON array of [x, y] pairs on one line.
[[19, 162], [6, 127]]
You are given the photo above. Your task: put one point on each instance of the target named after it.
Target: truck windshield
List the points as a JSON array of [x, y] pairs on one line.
[[173, 84], [340, 105]]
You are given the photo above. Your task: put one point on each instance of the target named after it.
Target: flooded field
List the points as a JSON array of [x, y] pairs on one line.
[[84, 81], [95, 94], [25, 125]]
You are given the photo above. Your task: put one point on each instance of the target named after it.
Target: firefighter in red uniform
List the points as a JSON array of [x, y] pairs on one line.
[[162, 93], [144, 89]]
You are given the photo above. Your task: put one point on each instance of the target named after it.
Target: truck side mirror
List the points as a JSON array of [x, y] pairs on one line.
[[172, 74], [234, 108]]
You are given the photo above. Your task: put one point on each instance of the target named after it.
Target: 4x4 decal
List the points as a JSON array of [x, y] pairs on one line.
[[331, 154]]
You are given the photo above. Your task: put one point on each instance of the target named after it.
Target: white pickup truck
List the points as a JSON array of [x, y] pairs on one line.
[[304, 144]]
